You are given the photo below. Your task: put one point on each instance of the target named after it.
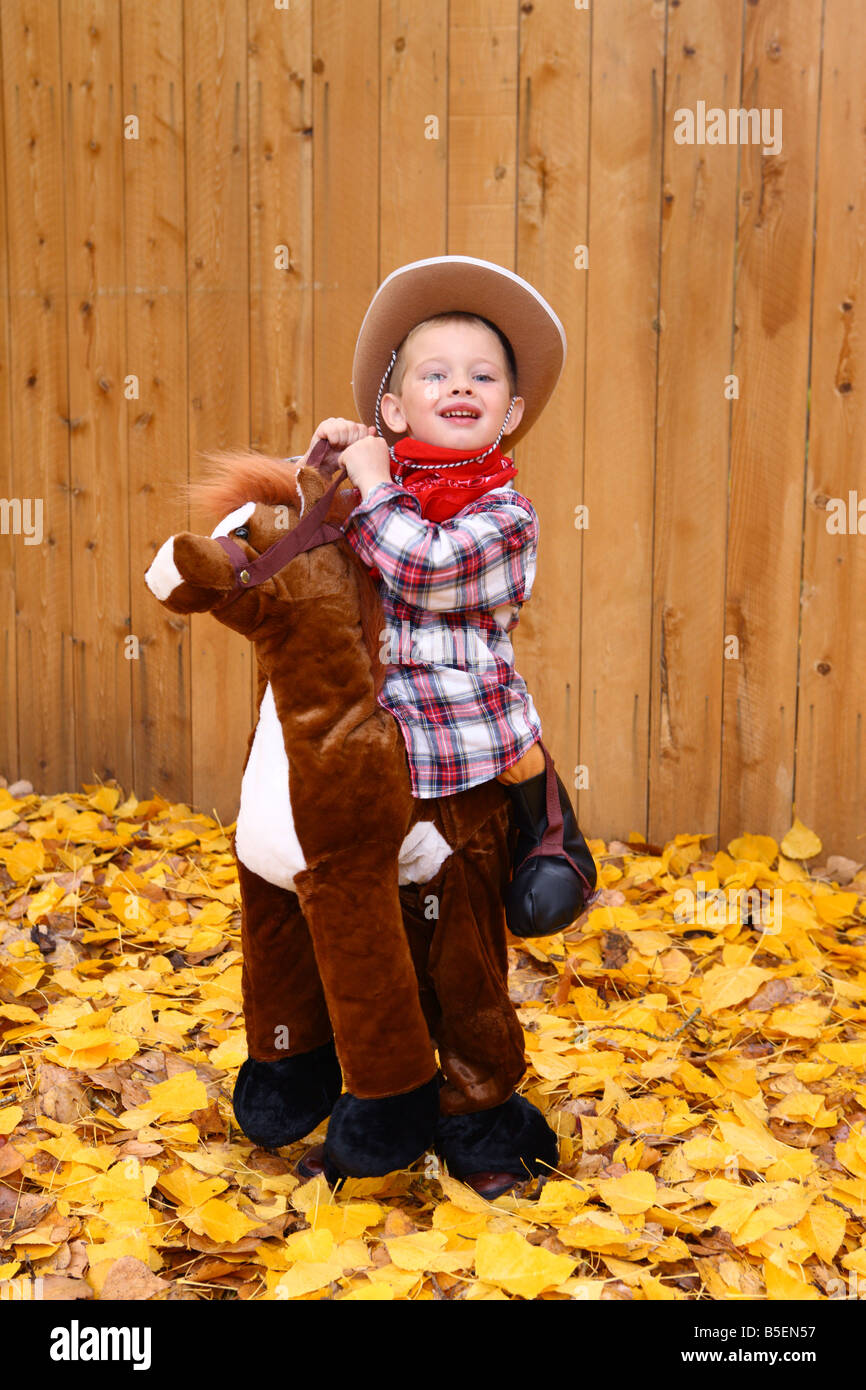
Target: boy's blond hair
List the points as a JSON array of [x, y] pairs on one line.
[[395, 380]]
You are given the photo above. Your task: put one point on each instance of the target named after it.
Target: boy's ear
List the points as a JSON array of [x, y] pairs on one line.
[[392, 413], [516, 415], [311, 486]]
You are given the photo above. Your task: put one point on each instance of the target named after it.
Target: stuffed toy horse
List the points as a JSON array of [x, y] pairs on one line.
[[372, 923]]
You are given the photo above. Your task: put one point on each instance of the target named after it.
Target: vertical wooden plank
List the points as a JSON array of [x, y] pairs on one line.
[[482, 134], [346, 192], [413, 194], [830, 790], [621, 365], [552, 189], [9, 541], [281, 215], [33, 136], [90, 38], [156, 422], [774, 275], [215, 38], [691, 493]]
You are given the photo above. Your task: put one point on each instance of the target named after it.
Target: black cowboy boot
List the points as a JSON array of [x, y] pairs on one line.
[[554, 873]]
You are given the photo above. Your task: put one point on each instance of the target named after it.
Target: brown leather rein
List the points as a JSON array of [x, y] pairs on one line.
[[311, 530]]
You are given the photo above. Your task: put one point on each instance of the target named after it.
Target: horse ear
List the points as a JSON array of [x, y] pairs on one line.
[[311, 486]]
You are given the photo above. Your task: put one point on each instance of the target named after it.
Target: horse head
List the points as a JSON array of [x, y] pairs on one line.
[[260, 500]]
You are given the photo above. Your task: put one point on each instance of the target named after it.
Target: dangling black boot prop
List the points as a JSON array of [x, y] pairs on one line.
[[554, 874]]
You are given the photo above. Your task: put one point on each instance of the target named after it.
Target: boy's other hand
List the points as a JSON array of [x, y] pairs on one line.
[[368, 463]]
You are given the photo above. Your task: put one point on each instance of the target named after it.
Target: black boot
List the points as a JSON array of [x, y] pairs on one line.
[[277, 1103], [554, 873]]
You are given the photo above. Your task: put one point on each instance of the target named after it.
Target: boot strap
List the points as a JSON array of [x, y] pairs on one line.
[[552, 842]]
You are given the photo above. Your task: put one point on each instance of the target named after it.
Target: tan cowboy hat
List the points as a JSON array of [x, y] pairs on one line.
[[421, 289]]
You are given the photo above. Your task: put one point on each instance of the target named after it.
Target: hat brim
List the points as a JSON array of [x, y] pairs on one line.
[[422, 289]]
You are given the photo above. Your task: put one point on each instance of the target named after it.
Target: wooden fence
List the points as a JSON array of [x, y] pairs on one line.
[[699, 645]]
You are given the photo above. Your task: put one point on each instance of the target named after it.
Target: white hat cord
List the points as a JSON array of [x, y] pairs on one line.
[[402, 466]]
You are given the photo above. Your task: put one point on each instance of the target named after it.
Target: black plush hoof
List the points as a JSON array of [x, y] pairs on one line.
[[368, 1138], [511, 1138], [277, 1103]]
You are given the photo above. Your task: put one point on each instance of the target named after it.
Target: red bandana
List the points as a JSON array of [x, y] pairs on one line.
[[444, 492]]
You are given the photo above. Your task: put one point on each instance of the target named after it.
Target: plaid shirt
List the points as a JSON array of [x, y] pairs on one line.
[[451, 593]]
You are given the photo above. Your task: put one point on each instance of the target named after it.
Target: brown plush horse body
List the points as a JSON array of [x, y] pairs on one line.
[[372, 922]]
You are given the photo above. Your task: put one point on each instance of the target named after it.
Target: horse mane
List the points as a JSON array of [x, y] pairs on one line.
[[236, 476]]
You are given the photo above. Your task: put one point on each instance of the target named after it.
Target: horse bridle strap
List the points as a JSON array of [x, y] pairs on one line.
[[312, 530]]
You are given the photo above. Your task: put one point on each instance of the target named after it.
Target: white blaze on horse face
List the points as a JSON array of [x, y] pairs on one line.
[[163, 576], [235, 518], [265, 836]]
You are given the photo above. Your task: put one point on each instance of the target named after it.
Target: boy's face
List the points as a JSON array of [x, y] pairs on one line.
[[449, 366]]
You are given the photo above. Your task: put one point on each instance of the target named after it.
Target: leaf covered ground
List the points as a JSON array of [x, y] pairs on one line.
[[696, 1039]]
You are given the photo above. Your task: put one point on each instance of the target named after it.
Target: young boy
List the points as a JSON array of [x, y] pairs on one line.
[[454, 546]]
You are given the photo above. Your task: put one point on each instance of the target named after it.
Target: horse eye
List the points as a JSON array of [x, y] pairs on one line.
[[243, 532]]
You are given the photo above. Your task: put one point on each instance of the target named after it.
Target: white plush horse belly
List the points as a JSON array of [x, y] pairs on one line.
[[265, 836]]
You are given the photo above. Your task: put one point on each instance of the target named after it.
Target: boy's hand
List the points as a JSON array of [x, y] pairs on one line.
[[368, 463], [339, 432]]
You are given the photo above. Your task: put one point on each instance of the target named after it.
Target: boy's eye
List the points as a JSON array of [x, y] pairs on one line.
[[486, 375]]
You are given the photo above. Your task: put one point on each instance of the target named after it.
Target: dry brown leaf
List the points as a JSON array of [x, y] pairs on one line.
[[130, 1279]]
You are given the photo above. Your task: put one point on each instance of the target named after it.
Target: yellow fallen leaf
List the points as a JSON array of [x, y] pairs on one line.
[[848, 1054], [218, 1220], [760, 849], [834, 907], [800, 842], [596, 1131], [26, 858], [560, 1200], [425, 1250], [641, 1113], [657, 1291], [774, 1216], [345, 1221], [314, 1245], [457, 1223], [306, 1278], [367, 1291], [187, 1188], [804, 1020], [177, 1097], [508, 1261], [705, 1152], [723, 986], [230, 1053], [126, 1179], [10, 1116], [788, 1285], [633, 1192], [823, 1227], [805, 1105]]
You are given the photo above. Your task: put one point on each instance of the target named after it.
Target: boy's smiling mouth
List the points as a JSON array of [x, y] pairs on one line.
[[461, 413]]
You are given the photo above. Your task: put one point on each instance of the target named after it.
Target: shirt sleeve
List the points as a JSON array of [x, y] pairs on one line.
[[480, 559]]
